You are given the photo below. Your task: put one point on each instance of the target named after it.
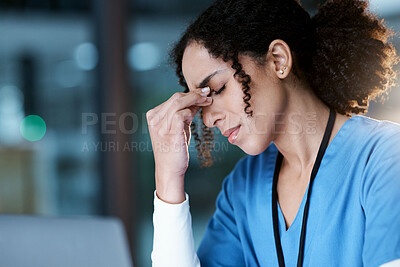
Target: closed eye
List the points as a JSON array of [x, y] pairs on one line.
[[220, 90]]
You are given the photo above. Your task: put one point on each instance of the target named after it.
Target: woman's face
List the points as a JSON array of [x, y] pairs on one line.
[[227, 109]]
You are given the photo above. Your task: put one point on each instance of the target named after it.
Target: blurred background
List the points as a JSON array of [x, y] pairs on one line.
[[76, 79]]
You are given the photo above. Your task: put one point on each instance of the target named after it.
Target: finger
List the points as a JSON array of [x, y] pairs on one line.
[[184, 116], [187, 128], [175, 97], [179, 101], [205, 103], [166, 104], [181, 119], [158, 113], [186, 99], [194, 110], [189, 100], [170, 117]]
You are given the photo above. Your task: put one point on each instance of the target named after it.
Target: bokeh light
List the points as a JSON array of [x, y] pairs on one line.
[[144, 56], [33, 128], [86, 56]]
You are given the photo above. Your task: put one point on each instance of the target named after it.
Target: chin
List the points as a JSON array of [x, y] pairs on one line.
[[254, 148]]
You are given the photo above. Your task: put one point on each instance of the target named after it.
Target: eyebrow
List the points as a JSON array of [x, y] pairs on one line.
[[207, 79]]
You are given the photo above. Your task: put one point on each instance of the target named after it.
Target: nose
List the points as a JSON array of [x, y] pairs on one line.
[[210, 118]]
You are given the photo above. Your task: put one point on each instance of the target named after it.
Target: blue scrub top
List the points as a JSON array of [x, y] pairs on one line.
[[354, 215]]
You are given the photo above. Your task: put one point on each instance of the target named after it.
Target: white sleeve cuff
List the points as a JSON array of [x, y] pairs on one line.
[[171, 211], [395, 263], [173, 243]]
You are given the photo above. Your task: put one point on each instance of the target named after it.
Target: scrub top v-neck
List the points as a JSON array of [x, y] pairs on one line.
[[354, 216]]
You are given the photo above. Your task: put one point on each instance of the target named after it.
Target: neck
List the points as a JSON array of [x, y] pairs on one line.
[[299, 131]]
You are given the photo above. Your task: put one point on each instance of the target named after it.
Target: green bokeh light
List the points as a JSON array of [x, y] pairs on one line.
[[33, 128]]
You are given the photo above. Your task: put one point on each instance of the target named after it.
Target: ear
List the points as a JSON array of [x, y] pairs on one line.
[[281, 58]]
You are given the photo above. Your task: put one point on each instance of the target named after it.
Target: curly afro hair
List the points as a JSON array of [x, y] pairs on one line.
[[342, 52]]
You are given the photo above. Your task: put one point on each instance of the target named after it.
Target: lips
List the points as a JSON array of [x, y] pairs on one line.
[[228, 132], [233, 136]]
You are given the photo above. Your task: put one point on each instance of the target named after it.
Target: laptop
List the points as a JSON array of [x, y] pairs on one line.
[[37, 241]]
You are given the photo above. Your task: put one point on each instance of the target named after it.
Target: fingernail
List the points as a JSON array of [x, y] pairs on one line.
[[209, 98], [205, 89], [201, 100]]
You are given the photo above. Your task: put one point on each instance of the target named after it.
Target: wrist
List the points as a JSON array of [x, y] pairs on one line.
[[170, 190], [171, 197]]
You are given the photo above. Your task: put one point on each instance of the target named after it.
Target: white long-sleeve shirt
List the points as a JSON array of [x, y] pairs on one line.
[[173, 243]]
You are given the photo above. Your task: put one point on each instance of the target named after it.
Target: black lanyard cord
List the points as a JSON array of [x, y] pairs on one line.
[[321, 152]]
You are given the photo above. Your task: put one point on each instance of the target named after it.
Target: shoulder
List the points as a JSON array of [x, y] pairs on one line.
[[378, 143], [381, 138], [369, 139], [380, 159], [377, 130]]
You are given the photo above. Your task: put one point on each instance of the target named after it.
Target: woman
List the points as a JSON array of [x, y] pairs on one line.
[[319, 186]]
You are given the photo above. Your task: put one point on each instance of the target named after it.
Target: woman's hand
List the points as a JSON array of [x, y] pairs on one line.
[[169, 127]]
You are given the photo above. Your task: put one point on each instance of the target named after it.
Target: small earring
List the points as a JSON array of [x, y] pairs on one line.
[[281, 71]]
